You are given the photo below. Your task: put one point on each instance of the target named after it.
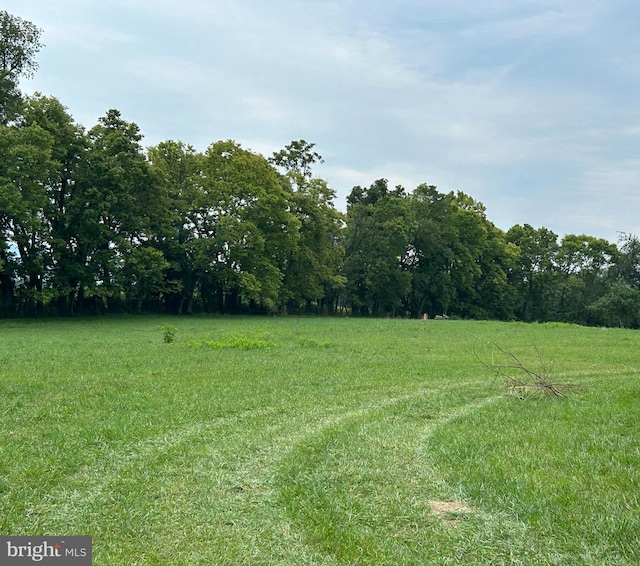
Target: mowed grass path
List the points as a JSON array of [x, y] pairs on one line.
[[319, 441]]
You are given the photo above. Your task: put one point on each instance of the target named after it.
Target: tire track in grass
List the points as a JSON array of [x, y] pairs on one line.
[[332, 505], [238, 486], [94, 500], [173, 462], [92, 484]]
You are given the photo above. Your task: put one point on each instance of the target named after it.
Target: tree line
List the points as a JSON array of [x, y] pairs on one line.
[[92, 222]]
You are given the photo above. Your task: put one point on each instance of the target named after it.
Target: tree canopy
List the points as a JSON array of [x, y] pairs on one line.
[[19, 44], [93, 222]]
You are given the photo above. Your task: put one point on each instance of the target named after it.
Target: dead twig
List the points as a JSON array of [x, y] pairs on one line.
[[521, 381]]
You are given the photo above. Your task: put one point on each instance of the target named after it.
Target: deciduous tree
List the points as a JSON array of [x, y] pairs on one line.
[[311, 272], [377, 244], [177, 170], [245, 229], [535, 275], [19, 44]]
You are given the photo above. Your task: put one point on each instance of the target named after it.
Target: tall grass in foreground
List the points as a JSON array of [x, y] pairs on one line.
[[319, 441]]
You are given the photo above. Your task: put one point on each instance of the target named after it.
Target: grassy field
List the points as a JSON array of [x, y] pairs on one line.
[[298, 441]]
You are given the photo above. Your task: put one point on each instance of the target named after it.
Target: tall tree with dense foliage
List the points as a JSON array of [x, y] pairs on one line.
[[24, 157], [26, 166], [620, 303], [177, 170], [458, 260], [19, 44], [67, 150], [312, 281], [113, 210], [377, 247], [434, 242], [244, 230], [483, 259], [536, 274], [584, 264]]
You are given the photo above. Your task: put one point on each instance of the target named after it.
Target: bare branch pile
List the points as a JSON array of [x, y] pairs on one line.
[[521, 381]]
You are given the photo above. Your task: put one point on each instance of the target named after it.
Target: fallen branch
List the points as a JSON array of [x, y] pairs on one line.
[[521, 381]]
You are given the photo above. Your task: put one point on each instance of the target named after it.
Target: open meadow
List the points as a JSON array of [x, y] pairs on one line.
[[324, 441]]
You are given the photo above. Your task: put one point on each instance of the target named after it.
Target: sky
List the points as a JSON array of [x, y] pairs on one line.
[[530, 106]]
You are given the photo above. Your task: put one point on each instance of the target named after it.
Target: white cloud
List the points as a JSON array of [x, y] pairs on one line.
[[527, 105], [267, 109], [170, 73], [545, 24]]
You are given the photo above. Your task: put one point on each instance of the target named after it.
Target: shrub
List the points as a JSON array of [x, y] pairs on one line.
[[169, 333]]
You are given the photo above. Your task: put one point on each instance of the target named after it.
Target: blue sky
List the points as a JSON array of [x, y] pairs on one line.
[[530, 106]]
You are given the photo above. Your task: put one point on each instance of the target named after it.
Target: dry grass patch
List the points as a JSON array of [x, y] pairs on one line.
[[450, 512]]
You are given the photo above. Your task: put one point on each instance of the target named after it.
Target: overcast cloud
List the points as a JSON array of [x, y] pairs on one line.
[[530, 106]]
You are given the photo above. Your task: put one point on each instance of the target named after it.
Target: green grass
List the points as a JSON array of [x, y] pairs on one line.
[[319, 441]]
